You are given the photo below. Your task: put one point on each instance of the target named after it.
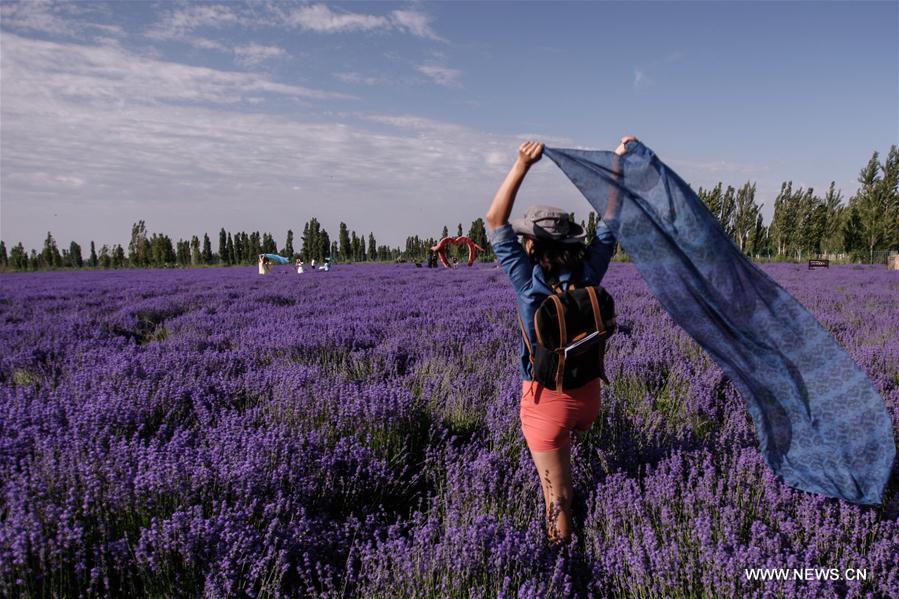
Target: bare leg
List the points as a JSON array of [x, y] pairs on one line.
[[554, 468]]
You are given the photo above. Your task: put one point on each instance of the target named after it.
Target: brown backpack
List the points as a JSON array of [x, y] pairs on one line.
[[572, 327]]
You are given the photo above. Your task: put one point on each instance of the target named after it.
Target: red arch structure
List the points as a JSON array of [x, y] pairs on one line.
[[473, 248]]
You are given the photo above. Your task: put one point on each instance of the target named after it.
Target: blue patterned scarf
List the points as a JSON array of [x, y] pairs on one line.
[[821, 424]]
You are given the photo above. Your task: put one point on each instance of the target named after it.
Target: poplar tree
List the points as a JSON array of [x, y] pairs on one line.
[[307, 243], [194, 250], [182, 252], [255, 246], [75, 255], [478, 234], [591, 226], [239, 251], [223, 246], [138, 246], [268, 244], [746, 214], [354, 247], [232, 251], [874, 209], [207, 250], [288, 245], [105, 257], [343, 238], [810, 215], [50, 256], [831, 240], [324, 245], [18, 258], [118, 256], [785, 221]]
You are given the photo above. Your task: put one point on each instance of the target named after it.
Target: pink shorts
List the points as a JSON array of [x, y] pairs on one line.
[[548, 417]]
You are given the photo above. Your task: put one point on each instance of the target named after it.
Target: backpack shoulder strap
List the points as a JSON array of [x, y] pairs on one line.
[[597, 315], [563, 336]]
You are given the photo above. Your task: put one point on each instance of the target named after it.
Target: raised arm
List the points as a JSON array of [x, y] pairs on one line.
[[613, 206], [498, 214], [602, 246]]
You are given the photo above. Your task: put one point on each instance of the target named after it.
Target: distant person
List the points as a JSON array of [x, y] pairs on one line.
[[265, 265], [299, 267], [555, 244]]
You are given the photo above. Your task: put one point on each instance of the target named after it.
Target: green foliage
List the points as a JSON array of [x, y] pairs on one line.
[[478, 234], [138, 247], [316, 243], [591, 226], [874, 217], [105, 257], [794, 230], [206, 255], [118, 256], [50, 256], [18, 257], [75, 258], [343, 237]]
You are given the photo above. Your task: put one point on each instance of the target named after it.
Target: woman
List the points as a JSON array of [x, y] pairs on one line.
[[553, 251], [265, 265]]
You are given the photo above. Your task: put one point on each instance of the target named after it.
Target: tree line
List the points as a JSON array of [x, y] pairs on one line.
[[806, 225], [234, 248], [803, 225]]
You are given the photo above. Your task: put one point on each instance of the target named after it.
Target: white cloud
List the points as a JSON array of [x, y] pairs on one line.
[[69, 19], [359, 79], [183, 21], [320, 18], [441, 75], [109, 75], [180, 25], [254, 54], [39, 15], [415, 22], [640, 79], [204, 43]]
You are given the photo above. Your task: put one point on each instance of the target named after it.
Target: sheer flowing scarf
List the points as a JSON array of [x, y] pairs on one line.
[[821, 424]]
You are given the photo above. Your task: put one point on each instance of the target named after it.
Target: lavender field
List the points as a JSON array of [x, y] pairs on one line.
[[213, 432]]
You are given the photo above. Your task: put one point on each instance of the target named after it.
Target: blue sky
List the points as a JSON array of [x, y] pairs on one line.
[[398, 118]]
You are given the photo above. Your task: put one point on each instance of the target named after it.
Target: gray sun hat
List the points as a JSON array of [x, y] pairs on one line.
[[548, 222]]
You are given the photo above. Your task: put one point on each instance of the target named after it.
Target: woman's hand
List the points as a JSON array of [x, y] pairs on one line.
[[620, 150], [498, 215], [530, 152]]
